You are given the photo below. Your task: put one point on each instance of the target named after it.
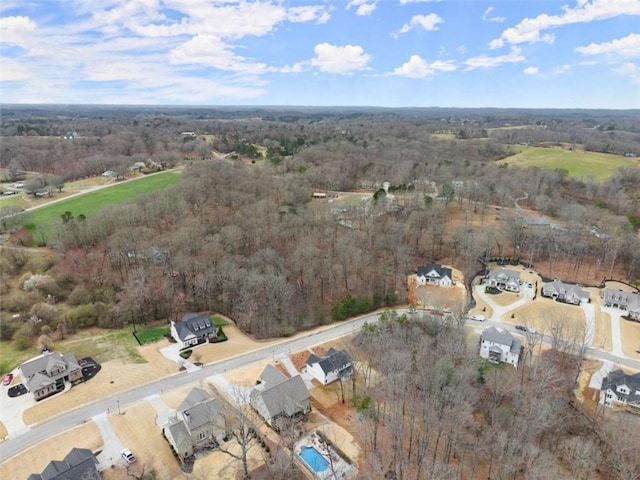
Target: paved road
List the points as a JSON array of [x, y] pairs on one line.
[[19, 442], [82, 414]]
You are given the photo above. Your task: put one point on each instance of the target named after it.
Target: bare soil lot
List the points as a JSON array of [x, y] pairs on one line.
[[542, 313], [237, 344], [36, 459], [630, 333]]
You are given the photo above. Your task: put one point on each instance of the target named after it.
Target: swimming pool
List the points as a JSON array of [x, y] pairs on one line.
[[314, 459]]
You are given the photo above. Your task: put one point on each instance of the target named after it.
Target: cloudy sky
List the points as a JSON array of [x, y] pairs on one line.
[[449, 53]]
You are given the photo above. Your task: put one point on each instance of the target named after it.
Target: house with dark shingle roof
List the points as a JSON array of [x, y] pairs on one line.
[[432, 274], [564, 292], [335, 365], [278, 396], [504, 279], [619, 388], [199, 420], [79, 464], [500, 346], [193, 329], [46, 375], [624, 301]]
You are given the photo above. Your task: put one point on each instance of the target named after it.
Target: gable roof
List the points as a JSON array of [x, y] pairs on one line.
[[505, 275], [502, 337], [617, 378], [79, 464], [334, 361], [36, 373], [199, 408], [432, 270], [281, 396], [559, 287], [630, 300], [194, 324], [271, 376]]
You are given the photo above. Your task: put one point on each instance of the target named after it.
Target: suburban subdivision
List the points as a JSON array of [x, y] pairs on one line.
[[318, 294]]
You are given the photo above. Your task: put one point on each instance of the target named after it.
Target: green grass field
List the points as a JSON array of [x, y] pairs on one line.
[[153, 334], [91, 203], [579, 164]]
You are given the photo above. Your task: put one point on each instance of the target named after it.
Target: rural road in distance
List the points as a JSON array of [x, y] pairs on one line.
[[23, 440]]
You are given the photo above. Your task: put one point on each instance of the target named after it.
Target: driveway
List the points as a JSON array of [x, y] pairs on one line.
[[12, 409], [499, 311], [616, 337], [172, 352], [589, 310], [112, 446], [163, 412]]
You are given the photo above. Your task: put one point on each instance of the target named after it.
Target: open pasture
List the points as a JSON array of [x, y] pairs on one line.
[[578, 163]]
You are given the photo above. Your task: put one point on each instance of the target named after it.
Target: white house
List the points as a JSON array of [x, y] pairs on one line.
[[500, 346], [335, 365], [431, 274], [505, 279], [618, 388], [624, 301], [193, 329], [564, 292]]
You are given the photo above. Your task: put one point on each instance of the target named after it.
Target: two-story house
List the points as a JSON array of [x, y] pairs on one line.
[[193, 329], [333, 366], [199, 420], [79, 464], [618, 388], [630, 302], [432, 274], [500, 346], [278, 396], [46, 375]]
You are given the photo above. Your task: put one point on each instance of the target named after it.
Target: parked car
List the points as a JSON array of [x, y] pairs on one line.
[[127, 456], [8, 378], [522, 328], [478, 317]]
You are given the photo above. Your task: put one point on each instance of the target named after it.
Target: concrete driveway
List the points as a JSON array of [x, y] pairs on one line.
[[112, 445], [172, 352]]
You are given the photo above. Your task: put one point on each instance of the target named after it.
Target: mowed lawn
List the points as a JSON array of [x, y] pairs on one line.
[[579, 164], [89, 204]]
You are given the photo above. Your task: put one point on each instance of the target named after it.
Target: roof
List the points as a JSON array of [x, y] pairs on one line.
[[504, 274], [434, 271], [565, 288], [37, 373], [199, 408], [628, 299], [79, 464], [283, 396], [617, 378], [194, 324], [502, 337], [271, 376], [334, 361]]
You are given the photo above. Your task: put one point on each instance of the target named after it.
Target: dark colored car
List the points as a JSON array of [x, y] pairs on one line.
[[522, 327]]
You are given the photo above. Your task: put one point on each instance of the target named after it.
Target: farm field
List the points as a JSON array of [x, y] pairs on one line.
[[91, 203], [579, 164]]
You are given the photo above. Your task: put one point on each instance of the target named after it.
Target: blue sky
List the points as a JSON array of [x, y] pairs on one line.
[[395, 53]]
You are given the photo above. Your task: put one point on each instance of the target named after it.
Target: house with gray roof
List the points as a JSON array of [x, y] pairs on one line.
[[279, 396], [79, 464], [198, 421], [333, 366], [504, 279], [565, 292], [193, 329], [432, 274], [500, 346], [630, 302], [618, 388], [46, 375]]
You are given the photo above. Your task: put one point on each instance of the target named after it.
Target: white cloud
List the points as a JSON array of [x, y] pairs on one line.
[[628, 46], [531, 70], [12, 71], [15, 30], [484, 61], [339, 59], [559, 70], [487, 18], [630, 70], [212, 51], [530, 30], [417, 67], [363, 7], [310, 13], [428, 22]]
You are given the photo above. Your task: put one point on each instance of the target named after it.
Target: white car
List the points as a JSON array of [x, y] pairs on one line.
[[127, 456], [478, 317]]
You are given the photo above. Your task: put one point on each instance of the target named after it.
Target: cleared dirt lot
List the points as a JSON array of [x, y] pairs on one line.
[[36, 459], [542, 313], [630, 332], [237, 344]]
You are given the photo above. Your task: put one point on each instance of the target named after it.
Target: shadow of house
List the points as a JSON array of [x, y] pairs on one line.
[[198, 422], [278, 396], [46, 375], [79, 464]]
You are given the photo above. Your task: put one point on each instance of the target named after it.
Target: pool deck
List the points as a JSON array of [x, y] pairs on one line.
[[338, 467]]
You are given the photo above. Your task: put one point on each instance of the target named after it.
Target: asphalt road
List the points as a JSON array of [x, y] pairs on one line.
[[19, 442]]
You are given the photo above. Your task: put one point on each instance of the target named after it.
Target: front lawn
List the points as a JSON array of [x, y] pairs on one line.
[[152, 335]]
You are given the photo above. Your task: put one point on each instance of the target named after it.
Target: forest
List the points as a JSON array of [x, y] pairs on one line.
[[241, 234]]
